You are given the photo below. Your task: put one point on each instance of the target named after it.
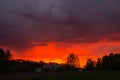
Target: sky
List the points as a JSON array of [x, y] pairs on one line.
[[51, 29]]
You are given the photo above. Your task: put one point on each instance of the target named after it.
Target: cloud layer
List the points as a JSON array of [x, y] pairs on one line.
[[24, 22]]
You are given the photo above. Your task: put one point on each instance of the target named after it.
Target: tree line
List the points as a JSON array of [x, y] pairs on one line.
[[106, 63]]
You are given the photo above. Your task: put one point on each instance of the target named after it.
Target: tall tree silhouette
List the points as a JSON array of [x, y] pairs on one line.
[[111, 62], [90, 65], [73, 60], [8, 54], [5, 55], [2, 55], [105, 63], [115, 62], [4, 59], [99, 64]]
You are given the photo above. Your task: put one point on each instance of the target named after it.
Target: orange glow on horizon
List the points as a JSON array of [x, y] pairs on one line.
[[58, 52]]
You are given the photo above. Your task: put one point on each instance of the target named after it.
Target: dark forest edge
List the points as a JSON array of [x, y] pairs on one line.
[[109, 62]]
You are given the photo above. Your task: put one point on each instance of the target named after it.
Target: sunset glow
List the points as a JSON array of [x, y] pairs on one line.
[[49, 30], [58, 52]]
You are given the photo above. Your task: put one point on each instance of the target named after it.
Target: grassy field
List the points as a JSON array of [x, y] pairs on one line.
[[62, 76]]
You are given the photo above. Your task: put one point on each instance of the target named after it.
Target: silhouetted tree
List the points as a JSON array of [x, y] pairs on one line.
[[99, 64], [8, 54], [90, 65], [111, 62], [5, 55], [2, 55], [115, 62], [4, 60], [73, 60], [105, 63]]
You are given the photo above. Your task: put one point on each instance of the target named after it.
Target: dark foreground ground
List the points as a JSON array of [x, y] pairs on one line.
[[62, 76]]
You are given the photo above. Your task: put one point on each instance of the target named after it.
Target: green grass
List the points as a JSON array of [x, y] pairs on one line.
[[62, 76]]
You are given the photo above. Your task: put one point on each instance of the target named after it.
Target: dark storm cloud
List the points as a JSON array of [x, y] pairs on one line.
[[23, 22]]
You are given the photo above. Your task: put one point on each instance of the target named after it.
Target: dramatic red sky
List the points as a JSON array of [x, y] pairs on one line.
[[58, 52], [51, 29]]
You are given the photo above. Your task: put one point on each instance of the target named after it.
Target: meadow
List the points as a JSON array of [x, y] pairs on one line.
[[62, 76]]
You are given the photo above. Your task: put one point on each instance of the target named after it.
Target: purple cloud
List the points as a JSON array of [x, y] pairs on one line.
[[23, 22]]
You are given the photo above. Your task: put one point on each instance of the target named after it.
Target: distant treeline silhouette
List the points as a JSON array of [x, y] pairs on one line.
[[106, 63]]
